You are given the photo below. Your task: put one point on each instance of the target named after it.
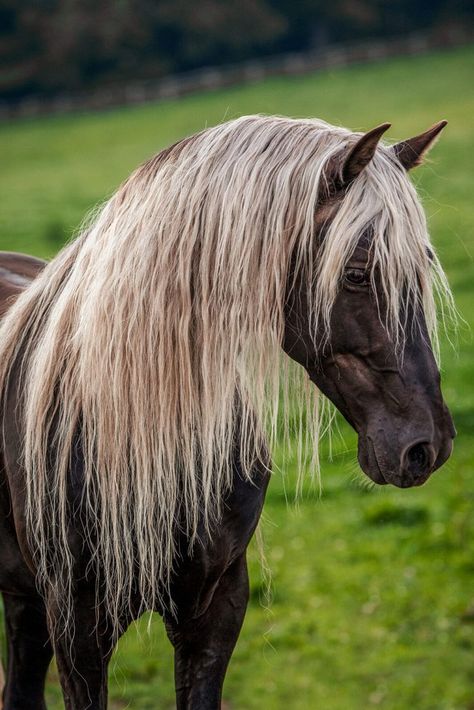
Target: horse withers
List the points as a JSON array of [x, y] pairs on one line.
[[140, 370]]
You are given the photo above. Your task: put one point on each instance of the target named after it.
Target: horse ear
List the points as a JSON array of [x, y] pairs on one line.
[[362, 153], [411, 152], [346, 165]]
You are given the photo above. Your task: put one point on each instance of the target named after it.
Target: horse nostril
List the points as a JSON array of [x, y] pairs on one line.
[[418, 459]]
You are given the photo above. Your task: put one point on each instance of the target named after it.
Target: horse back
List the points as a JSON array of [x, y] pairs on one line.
[[17, 271]]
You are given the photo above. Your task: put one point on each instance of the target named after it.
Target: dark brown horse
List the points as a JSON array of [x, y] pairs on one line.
[[390, 396]]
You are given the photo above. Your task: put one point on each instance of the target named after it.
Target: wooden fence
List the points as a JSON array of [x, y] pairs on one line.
[[210, 78]]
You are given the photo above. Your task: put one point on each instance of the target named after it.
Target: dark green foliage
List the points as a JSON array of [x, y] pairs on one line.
[[61, 46]]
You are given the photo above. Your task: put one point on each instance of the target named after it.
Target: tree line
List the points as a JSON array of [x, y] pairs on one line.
[[49, 47]]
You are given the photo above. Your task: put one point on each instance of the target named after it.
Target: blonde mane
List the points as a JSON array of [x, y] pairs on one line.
[[155, 336]]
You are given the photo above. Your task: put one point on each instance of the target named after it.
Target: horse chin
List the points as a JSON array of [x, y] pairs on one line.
[[368, 461]]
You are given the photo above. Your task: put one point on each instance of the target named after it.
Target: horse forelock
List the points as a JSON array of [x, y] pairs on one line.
[[168, 310]]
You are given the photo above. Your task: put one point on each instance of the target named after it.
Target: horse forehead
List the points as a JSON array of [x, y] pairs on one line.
[[325, 214], [361, 255]]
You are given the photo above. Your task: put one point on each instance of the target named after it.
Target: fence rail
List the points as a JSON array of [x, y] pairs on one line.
[[174, 86]]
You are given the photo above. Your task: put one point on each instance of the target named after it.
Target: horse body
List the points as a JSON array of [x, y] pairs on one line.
[[209, 584], [394, 403]]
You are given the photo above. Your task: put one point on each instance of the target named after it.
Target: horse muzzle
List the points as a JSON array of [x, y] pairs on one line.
[[405, 465]]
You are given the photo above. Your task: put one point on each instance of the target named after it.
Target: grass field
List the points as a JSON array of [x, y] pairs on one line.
[[373, 589]]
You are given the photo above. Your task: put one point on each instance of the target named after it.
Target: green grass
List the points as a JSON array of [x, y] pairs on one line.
[[373, 589]]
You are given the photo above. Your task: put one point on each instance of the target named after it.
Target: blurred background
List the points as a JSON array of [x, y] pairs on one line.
[[68, 46], [372, 589]]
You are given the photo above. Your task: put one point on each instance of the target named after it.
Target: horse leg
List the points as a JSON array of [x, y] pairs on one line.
[[29, 652], [204, 644], [83, 659]]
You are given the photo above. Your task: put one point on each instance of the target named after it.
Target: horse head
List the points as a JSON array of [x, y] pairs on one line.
[[385, 382]]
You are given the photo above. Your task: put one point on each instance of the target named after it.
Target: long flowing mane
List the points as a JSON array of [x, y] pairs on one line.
[[154, 337]]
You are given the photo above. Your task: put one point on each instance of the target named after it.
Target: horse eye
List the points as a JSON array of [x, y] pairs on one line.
[[356, 276]]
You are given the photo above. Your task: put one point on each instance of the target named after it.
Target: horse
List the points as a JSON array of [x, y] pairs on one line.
[[142, 385]]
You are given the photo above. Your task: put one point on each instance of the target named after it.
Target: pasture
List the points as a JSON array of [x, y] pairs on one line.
[[373, 594]]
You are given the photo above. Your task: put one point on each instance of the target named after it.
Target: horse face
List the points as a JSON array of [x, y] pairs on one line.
[[393, 402]]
